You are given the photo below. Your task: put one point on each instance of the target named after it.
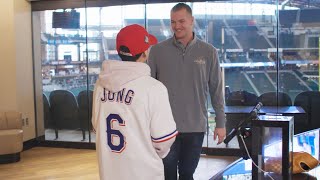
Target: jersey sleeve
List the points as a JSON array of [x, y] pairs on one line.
[[163, 127]]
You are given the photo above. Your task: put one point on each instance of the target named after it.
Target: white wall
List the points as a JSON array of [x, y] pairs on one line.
[[16, 74], [8, 76]]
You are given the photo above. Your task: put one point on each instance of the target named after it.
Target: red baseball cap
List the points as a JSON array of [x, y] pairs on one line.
[[135, 38]]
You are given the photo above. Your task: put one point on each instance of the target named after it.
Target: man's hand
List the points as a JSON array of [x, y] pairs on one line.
[[221, 133]]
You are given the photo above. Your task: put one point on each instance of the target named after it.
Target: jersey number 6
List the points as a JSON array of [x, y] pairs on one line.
[[113, 133]]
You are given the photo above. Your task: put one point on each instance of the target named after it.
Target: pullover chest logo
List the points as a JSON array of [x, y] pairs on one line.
[[200, 61]]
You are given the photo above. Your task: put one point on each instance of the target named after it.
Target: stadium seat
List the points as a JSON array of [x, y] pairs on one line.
[[309, 101], [48, 123], [275, 99], [241, 98], [85, 110], [64, 110]]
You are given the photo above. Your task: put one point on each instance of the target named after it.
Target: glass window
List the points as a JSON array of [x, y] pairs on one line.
[[71, 58], [64, 75], [265, 50]]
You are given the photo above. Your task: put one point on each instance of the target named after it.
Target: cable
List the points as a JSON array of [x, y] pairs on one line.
[[245, 146]]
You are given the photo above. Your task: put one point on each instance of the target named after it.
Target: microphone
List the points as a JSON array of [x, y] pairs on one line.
[[232, 133], [254, 112], [252, 115]]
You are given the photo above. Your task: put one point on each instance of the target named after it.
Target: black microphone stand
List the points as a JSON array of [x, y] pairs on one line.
[[243, 129]]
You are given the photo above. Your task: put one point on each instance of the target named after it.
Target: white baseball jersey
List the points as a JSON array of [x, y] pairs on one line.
[[133, 122]]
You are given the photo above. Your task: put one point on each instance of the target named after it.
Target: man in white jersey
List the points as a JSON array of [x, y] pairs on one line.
[[131, 113]]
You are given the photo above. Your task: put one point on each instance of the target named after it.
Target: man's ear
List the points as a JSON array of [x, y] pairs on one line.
[[145, 53], [143, 57]]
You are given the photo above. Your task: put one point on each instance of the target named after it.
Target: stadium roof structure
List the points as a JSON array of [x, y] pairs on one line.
[[290, 3], [303, 3], [39, 5]]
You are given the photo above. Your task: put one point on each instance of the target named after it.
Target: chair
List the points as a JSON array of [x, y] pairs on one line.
[[48, 123], [275, 99], [85, 110], [11, 136], [310, 102], [64, 110], [241, 98]]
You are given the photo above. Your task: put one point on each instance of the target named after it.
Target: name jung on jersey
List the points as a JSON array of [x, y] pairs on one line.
[[123, 96]]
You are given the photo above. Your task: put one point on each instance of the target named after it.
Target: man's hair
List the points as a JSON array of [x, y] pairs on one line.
[[128, 58], [181, 6]]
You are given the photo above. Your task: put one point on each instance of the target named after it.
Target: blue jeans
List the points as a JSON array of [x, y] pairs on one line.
[[184, 156]]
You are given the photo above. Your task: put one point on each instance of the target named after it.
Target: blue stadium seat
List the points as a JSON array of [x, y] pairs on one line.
[[48, 123], [310, 102], [241, 98], [275, 99], [85, 110], [64, 110]]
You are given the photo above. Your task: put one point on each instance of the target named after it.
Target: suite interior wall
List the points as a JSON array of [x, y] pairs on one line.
[[16, 72]]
